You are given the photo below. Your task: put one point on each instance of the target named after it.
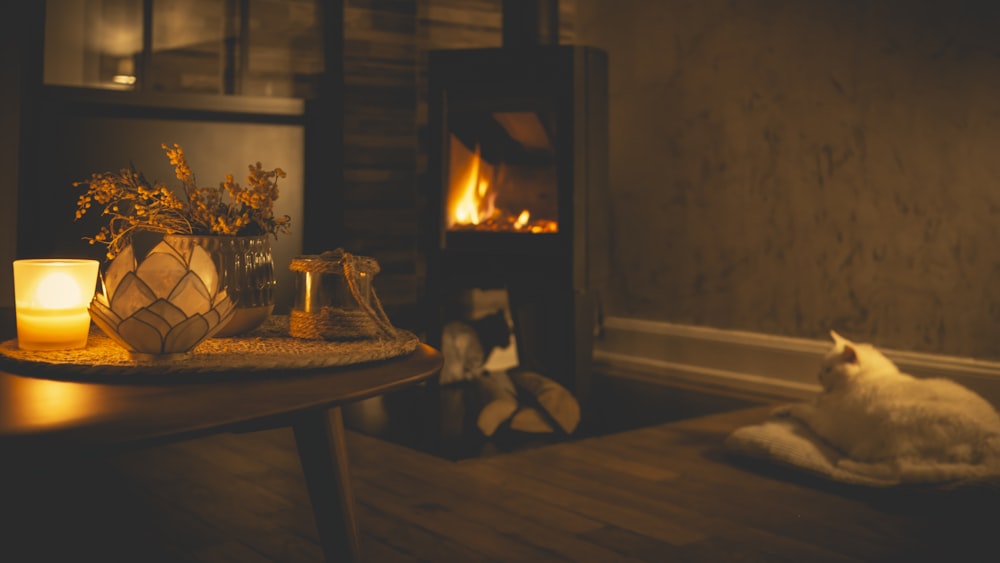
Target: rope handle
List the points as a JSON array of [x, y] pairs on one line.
[[376, 313], [351, 267]]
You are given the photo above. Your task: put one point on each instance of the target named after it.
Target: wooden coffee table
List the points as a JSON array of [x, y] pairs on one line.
[[42, 417]]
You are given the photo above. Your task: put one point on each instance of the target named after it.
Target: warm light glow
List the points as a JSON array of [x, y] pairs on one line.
[[58, 290], [471, 200], [522, 219], [51, 299], [50, 403], [472, 197], [126, 72], [166, 302]]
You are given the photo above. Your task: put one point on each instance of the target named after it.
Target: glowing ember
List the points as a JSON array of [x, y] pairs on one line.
[[522, 219]]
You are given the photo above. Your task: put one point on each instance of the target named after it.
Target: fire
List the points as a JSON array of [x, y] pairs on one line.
[[522, 219], [472, 197]]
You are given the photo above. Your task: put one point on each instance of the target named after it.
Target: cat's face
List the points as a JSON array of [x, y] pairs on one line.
[[848, 360]]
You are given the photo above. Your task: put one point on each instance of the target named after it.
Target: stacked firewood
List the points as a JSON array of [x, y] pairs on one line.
[[523, 400], [529, 401]]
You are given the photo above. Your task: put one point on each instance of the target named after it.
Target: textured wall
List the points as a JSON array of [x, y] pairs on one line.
[[788, 167]]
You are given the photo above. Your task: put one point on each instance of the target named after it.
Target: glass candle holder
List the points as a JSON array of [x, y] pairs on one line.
[[51, 297], [334, 298], [321, 282]]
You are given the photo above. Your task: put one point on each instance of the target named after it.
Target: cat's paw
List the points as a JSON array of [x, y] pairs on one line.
[[784, 411]]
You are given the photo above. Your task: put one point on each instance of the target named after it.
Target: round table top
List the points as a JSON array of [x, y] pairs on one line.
[[40, 411], [264, 351]]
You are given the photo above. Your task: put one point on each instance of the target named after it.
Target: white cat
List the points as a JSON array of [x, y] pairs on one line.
[[889, 424]]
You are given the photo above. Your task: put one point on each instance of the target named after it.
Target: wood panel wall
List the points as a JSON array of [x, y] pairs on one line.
[[385, 62], [380, 148]]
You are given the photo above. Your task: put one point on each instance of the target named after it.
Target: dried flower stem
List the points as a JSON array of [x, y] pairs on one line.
[[132, 204]]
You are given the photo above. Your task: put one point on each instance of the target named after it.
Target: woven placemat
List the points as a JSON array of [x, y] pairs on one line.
[[266, 350]]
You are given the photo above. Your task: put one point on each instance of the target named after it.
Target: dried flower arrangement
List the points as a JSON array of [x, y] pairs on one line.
[[132, 204]]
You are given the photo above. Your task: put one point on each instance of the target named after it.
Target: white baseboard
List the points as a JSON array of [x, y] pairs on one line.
[[775, 366]]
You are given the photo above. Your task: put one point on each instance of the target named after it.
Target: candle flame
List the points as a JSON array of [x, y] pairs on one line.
[[58, 290]]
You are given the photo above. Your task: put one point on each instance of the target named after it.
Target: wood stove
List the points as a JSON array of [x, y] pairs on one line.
[[517, 169]]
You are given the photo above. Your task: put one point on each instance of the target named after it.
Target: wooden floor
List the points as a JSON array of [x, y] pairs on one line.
[[662, 493]]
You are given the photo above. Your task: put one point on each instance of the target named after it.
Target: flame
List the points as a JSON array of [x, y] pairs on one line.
[[60, 290], [472, 197], [522, 219]]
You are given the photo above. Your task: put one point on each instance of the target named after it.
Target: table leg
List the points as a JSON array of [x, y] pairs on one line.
[[320, 439]]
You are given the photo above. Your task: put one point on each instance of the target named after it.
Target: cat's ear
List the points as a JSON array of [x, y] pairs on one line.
[[849, 355], [838, 339]]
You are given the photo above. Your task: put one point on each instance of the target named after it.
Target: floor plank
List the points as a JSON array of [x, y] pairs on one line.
[[660, 493]]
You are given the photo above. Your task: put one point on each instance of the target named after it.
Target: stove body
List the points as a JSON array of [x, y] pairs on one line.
[[517, 185]]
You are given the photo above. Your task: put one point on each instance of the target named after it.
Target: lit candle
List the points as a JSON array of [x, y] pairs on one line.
[[50, 302]]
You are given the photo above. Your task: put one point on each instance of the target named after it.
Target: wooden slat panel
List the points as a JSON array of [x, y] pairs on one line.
[[381, 222], [380, 136]]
